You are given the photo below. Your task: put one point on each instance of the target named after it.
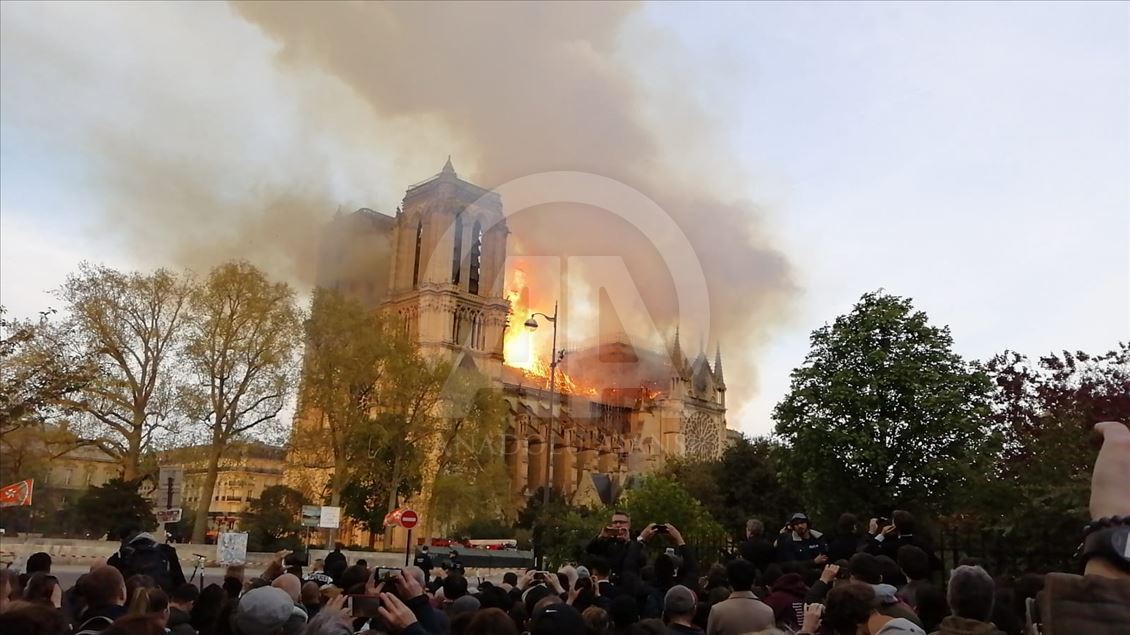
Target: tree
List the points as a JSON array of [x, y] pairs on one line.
[[35, 377], [733, 499], [127, 325], [1036, 494], [273, 519], [370, 486], [661, 500], [105, 509], [471, 481], [348, 351], [239, 347], [882, 413]]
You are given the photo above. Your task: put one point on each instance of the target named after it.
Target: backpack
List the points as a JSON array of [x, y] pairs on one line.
[[146, 557], [91, 627]]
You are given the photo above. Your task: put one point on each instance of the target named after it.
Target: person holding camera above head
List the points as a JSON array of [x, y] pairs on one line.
[[799, 542], [676, 566], [612, 541], [886, 536]]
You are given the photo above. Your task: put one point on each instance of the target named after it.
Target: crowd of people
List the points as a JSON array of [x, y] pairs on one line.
[[885, 581]]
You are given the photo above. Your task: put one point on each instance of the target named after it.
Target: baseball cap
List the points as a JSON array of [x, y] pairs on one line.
[[679, 601], [557, 619], [799, 516], [583, 572], [263, 611]]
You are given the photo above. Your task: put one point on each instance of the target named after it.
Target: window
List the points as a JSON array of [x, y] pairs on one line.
[[419, 242], [457, 254], [67, 476], [476, 258]]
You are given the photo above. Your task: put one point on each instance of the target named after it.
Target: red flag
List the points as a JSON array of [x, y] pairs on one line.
[[17, 494]]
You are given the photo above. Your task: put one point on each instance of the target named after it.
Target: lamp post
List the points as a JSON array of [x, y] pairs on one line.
[[532, 324]]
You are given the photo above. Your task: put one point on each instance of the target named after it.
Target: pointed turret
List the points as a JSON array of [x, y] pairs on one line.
[[447, 167], [678, 360], [718, 368]]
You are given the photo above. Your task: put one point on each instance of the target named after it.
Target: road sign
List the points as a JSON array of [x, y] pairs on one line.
[[330, 518], [170, 484], [408, 519], [311, 515], [168, 515]]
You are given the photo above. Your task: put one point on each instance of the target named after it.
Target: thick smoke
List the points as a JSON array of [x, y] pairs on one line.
[[528, 88], [209, 140]]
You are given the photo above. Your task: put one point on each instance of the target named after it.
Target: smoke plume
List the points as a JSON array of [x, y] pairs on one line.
[[238, 130]]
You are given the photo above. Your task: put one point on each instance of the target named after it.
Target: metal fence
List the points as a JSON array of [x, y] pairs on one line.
[[1004, 554]]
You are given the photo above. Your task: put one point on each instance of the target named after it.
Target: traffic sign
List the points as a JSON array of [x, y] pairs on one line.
[[408, 519]]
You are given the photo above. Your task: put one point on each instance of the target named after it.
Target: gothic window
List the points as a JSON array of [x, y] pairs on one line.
[[419, 243], [701, 435], [457, 256], [476, 257]]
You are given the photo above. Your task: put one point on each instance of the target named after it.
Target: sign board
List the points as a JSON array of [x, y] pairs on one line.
[[311, 515], [408, 519], [231, 548], [330, 518], [169, 486], [168, 515]]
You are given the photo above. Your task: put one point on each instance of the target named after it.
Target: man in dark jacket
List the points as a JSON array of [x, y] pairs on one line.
[[104, 591], [141, 554], [336, 563], [613, 541], [886, 540], [424, 561], [756, 548], [798, 542], [180, 609]]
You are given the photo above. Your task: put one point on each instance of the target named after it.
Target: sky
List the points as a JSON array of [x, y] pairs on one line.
[[972, 156]]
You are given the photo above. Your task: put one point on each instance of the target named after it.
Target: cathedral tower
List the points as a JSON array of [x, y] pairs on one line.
[[448, 268]]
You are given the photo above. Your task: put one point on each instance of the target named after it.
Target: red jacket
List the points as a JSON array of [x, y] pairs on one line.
[[786, 595]]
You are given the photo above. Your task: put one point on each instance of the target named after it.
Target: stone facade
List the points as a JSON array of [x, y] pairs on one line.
[[440, 264]]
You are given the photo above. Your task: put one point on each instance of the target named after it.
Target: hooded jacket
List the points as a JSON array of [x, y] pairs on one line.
[[792, 547], [953, 625], [787, 593]]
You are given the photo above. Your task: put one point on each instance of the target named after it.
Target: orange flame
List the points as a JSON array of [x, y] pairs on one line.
[[518, 349]]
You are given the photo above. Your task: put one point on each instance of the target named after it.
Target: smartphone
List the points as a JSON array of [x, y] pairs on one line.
[[363, 605], [388, 576], [661, 529]]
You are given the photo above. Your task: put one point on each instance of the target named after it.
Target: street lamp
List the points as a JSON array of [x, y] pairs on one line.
[[532, 325]]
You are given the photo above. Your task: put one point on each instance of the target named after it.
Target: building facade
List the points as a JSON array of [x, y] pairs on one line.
[[439, 266]]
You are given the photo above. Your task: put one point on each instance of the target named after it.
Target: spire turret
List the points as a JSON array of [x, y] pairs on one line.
[[447, 167], [718, 367]]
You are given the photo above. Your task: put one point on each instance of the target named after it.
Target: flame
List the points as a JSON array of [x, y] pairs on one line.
[[518, 349]]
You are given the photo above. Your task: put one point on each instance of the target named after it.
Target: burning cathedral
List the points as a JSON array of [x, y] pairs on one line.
[[618, 410]]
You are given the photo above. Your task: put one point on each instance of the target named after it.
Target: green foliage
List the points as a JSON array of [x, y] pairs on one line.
[[105, 509], [742, 484], [656, 499], [273, 520], [472, 482], [366, 494], [882, 414], [1044, 410], [35, 377]]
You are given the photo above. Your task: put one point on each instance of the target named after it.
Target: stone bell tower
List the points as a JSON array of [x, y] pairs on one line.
[[448, 269]]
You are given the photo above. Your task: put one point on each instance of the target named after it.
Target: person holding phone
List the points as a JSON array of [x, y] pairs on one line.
[[612, 541]]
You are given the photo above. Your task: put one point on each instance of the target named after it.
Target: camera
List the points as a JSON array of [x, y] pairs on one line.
[[661, 529]]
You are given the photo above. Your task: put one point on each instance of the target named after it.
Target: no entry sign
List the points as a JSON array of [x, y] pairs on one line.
[[408, 519]]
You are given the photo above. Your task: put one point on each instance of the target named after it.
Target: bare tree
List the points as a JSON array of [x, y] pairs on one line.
[[126, 326], [240, 347]]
